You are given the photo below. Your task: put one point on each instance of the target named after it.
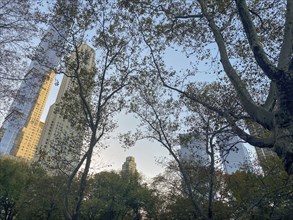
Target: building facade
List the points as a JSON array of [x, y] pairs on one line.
[[26, 143], [230, 153], [262, 153], [62, 138], [193, 148], [47, 58], [233, 153], [129, 166]]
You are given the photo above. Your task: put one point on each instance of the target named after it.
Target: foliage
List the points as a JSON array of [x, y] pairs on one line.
[[177, 202], [116, 196], [61, 151], [237, 42], [113, 44], [42, 198], [241, 195], [261, 196], [246, 45], [17, 26], [16, 177], [28, 193]]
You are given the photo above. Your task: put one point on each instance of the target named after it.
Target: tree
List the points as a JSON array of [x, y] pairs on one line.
[[27, 192], [260, 196], [177, 204], [18, 26], [112, 195], [14, 179], [42, 198], [61, 143], [172, 120], [114, 45], [254, 53]]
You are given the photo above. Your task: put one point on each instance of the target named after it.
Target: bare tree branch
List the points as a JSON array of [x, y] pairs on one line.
[[259, 114], [269, 69]]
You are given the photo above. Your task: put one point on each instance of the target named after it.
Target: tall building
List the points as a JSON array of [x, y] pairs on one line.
[[26, 143], [262, 153], [63, 134], [47, 58], [193, 148], [230, 152], [234, 154], [129, 166]]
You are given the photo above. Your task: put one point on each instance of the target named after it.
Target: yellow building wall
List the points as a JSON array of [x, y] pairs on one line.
[[30, 134]]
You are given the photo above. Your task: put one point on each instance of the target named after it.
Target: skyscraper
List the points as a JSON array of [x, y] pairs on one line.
[[46, 58], [129, 166], [193, 148], [231, 150], [234, 154], [63, 134], [26, 143], [262, 153]]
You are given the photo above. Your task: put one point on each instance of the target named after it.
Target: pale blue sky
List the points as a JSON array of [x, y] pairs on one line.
[[146, 153]]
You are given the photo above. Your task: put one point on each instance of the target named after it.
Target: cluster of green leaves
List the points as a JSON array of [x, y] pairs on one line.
[[27, 192], [13, 181], [178, 200], [261, 196], [241, 195], [112, 195]]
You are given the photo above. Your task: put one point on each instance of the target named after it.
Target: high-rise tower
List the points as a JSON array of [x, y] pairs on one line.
[[63, 134], [193, 148], [26, 143], [46, 58], [129, 166], [262, 153], [234, 154]]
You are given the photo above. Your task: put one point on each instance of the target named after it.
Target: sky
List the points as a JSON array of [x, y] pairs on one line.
[[146, 153]]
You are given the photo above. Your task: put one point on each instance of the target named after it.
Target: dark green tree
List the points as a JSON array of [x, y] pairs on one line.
[[112, 195], [42, 198], [14, 178], [267, 195], [177, 203]]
